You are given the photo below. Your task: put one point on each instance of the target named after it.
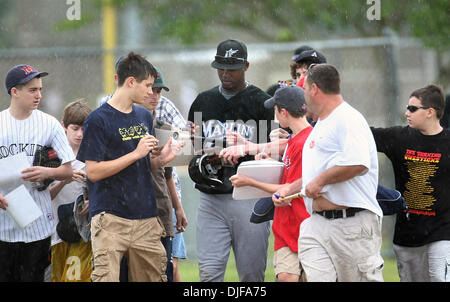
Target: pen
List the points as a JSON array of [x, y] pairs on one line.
[[282, 198]]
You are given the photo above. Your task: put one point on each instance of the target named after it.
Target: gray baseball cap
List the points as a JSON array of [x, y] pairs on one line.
[[292, 98]]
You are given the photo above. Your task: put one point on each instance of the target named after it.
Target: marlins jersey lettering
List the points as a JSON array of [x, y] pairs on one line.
[[16, 136]]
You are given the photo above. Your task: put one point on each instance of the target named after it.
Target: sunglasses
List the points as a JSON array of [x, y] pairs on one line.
[[229, 60], [413, 109]]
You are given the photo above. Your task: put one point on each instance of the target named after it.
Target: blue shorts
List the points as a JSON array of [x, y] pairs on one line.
[[178, 246]]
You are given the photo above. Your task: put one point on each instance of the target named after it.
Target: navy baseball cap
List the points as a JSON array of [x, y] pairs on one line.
[[301, 49], [21, 74], [311, 56], [231, 54], [292, 98], [116, 65]]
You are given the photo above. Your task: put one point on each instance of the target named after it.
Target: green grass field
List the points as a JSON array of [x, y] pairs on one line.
[[189, 269]]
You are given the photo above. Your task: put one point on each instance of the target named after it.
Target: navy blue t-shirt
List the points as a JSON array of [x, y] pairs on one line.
[[109, 134]]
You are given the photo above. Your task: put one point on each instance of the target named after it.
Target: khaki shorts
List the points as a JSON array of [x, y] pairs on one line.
[[140, 239], [286, 261]]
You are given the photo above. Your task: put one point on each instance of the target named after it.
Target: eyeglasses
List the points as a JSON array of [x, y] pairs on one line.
[[413, 108], [229, 60]]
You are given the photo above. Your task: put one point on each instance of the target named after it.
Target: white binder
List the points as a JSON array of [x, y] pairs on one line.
[[269, 171]]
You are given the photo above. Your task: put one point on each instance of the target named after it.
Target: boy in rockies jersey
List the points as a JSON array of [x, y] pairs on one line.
[[23, 128], [222, 222]]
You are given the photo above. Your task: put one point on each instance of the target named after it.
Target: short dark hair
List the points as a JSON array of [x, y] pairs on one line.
[[325, 76], [295, 114], [431, 96], [134, 65]]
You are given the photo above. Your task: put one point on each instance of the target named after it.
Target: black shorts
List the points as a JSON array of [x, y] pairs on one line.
[[24, 262]]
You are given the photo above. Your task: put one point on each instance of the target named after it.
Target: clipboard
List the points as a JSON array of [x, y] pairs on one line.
[[269, 171]]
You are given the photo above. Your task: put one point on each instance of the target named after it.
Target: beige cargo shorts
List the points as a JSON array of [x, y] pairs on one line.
[[113, 237]]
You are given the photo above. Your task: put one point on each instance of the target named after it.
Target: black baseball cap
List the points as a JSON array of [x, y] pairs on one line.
[[310, 56], [291, 97], [21, 74], [231, 54], [301, 49]]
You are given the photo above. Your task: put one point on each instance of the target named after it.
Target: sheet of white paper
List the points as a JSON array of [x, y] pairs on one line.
[[11, 176], [22, 207]]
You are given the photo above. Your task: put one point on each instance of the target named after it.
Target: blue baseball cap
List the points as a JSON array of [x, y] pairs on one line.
[[21, 74]]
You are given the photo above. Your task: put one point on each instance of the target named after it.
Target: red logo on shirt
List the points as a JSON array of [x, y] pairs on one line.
[[312, 144]]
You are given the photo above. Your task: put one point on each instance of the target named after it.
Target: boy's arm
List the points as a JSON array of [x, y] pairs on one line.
[[78, 175], [240, 180], [39, 173], [3, 202], [288, 189], [233, 153], [331, 176], [178, 207], [56, 188], [97, 171]]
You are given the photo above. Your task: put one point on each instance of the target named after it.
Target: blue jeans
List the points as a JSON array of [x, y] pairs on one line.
[[428, 263]]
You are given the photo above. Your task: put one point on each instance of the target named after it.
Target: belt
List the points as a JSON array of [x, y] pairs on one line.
[[335, 214]]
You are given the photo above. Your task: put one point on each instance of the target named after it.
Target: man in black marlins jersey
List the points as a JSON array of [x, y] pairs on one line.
[[233, 106]]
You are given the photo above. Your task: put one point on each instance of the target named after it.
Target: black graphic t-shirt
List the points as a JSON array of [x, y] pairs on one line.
[[243, 113], [421, 166]]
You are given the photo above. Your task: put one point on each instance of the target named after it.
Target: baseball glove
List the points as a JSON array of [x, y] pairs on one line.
[[46, 157]]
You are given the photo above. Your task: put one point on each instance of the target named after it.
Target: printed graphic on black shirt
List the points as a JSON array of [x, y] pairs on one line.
[[134, 132], [422, 167]]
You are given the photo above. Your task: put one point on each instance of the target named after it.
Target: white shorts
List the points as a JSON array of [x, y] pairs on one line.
[[344, 249]]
